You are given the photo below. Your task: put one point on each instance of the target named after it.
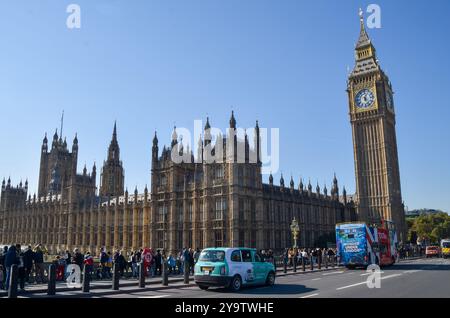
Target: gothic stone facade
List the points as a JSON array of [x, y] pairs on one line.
[[194, 203]]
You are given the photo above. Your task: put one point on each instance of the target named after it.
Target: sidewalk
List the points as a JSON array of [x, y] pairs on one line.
[[131, 285]]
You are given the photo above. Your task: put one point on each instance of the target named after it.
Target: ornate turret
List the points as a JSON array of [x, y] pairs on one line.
[[45, 143], [344, 195], [257, 142], [271, 179], [335, 188], [207, 132], [232, 121], [112, 174], [174, 137], [155, 150], [200, 150], [55, 139]]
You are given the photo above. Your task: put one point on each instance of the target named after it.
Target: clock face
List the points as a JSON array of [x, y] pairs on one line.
[[390, 102], [365, 98]]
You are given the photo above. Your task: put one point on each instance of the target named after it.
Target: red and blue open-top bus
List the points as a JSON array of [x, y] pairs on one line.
[[359, 244]]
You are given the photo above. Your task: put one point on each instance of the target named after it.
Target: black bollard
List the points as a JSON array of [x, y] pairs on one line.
[[141, 274], [285, 266], [326, 261], [86, 280], [116, 276], [51, 280], [295, 263], [303, 264], [13, 276], [319, 260], [311, 264], [165, 274], [274, 264], [186, 272]]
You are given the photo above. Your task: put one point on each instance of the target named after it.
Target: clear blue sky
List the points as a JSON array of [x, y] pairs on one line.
[[150, 64]]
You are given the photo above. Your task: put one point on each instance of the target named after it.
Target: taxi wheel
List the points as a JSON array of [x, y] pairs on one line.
[[236, 283], [203, 287], [270, 281]]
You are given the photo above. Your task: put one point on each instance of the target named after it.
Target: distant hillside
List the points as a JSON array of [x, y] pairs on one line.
[[414, 213]]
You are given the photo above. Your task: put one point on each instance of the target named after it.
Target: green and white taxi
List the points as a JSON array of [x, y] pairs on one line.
[[232, 268]]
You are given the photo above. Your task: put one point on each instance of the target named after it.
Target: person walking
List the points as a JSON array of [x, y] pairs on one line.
[[158, 263], [10, 260], [191, 261], [196, 255], [78, 258], [89, 263], [104, 263], [39, 265], [134, 264], [20, 267], [171, 264], [28, 256], [121, 262], [2, 265]]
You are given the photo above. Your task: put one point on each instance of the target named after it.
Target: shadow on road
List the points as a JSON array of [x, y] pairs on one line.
[[279, 289], [422, 266]]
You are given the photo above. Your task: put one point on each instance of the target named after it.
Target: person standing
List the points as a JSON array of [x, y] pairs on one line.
[[196, 255], [89, 263], [158, 263], [39, 265], [78, 258], [2, 264], [104, 263], [28, 256], [10, 260], [20, 267]]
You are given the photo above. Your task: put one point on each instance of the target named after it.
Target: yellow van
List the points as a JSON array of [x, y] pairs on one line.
[[445, 248]]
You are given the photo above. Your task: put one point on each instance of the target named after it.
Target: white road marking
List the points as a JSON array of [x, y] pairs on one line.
[[390, 276], [338, 272], [412, 271], [357, 284], [348, 286], [366, 274], [316, 278], [308, 296], [157, 296]]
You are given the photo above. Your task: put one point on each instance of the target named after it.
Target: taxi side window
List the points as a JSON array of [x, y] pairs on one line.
[[257, 258], [246, 256], [236, 256]]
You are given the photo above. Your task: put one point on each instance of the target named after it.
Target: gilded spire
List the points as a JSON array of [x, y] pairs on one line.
[[363, 39]]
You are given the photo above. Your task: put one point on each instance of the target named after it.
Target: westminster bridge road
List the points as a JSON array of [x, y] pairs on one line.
[[410, 278]]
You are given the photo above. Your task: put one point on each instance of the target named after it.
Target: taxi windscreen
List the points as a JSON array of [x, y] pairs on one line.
[[212, 256]]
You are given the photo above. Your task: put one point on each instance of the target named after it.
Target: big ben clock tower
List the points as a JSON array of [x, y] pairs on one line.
[[372, 116]]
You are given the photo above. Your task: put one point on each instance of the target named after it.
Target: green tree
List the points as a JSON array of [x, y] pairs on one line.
[[433, 227]]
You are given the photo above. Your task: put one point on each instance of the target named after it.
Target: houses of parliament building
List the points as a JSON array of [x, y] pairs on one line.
[[195, 203]]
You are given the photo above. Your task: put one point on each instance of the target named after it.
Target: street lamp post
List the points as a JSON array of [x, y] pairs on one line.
[[295, 229]]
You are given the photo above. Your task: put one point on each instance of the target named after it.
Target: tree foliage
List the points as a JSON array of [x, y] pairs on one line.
[[433, 227]]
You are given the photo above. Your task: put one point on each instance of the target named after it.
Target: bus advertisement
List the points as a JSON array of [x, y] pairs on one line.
[[359, 244]]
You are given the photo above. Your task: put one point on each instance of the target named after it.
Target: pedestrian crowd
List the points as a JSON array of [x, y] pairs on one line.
[[308, 255], [30, 263]]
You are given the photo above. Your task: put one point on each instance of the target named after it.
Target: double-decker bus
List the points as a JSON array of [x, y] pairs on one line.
[[359, 244]]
